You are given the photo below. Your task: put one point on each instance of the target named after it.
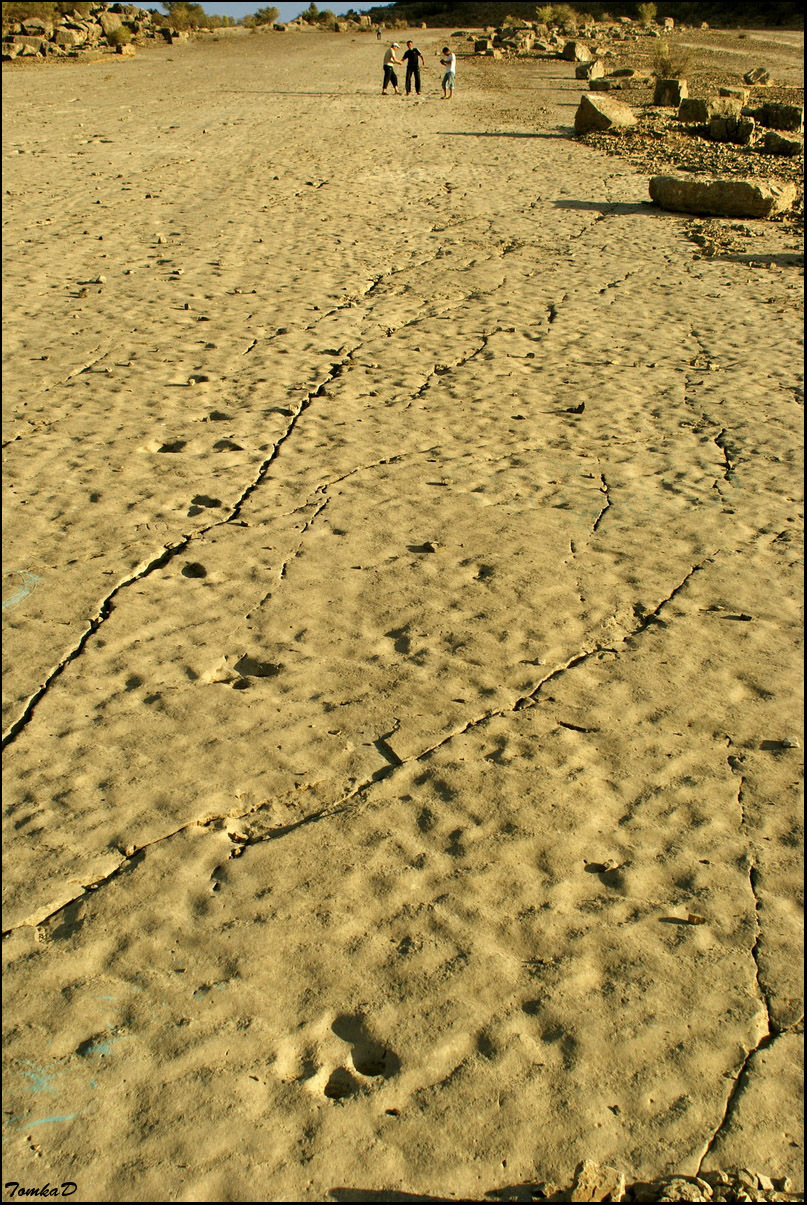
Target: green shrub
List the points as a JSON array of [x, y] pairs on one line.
[[647, 13], [265, 16], [120, 36], [566, 16]]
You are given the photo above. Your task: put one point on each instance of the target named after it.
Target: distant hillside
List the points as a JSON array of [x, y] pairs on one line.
[[721, 14]]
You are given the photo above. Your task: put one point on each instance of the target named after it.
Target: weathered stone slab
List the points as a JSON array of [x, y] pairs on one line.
[[108, 21], [740, 94], [69, 37], [37, 26], [694, 109], [670, 92], [597, 1182], [593, 70], [739, 130], [602, 113], [576, 52], [724, 198], [35, 43], [781, 117], [758, 75], [779, 144]]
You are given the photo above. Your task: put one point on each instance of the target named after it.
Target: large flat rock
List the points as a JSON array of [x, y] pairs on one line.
[[723, 198]]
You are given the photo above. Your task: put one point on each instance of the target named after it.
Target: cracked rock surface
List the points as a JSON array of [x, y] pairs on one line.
[[401, 628]]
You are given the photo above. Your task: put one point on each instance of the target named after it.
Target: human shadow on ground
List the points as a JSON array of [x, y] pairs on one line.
[[498, 134], [513, 1192], [783, 259], [368, 1194], [276, 92], [609, 207]]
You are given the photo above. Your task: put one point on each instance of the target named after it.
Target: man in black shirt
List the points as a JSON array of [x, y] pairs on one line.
[[413, 58]]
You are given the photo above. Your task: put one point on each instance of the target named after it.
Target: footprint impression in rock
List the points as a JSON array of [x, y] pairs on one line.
[[370, 1059]]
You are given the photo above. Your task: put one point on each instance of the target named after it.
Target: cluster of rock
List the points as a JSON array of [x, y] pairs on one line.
[[599, 1182], [775, 128], [771, 127], [359, 24], [117, 27], [529, 37]]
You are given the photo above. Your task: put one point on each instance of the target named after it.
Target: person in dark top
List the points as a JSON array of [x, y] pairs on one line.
[[413, 58]]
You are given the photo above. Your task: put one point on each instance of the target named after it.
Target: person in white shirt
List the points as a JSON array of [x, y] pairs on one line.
[[449, 61], [391, 60]]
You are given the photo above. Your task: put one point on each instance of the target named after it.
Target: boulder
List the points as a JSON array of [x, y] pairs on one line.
[[605, 85], [781, 117], [597, 1182], [723, 198], [593, 70], [11, 50], [778, 144], [126, 50], [732, 129], [37, 27], [758, 75], [740, 94], [482, 44], [36, 44], [576, 52], [67, 37], [670, 92], [602, 113], [669, 23], [693, 108], [108, 21]]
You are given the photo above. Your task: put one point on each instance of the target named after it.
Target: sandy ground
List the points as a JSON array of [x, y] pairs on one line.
[[402, 720]]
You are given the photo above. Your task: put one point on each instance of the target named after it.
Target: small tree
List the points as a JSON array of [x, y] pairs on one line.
[[265, 16], [647, 13]]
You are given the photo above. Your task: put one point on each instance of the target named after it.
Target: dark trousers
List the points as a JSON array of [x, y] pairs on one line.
[[413, 73], [389, 78]]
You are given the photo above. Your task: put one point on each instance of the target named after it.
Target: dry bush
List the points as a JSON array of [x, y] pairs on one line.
[[670, 63]]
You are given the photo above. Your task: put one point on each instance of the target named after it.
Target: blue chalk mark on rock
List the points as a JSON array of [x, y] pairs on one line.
[[46, 1120], [27, 585], [40, 1079]]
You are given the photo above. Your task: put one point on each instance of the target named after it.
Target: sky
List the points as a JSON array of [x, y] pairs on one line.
[[287, 11]]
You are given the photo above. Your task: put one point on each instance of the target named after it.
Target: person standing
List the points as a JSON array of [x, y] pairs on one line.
[[449, 61], [413, 58], [391, 61]]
